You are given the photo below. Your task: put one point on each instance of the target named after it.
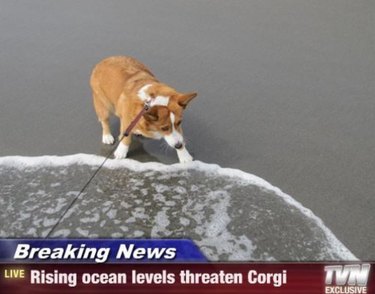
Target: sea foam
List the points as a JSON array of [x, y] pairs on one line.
[[231, 214]]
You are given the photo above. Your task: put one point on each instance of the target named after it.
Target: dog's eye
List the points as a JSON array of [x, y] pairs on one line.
[[178, 123], [166, 128]]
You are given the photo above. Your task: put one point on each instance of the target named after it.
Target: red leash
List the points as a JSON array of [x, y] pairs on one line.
[[134, 122], [150, 102]]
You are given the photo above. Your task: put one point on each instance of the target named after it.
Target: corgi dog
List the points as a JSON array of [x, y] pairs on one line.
[[121, 85]]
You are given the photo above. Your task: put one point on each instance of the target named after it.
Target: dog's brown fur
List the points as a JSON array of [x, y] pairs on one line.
[[115, 83]]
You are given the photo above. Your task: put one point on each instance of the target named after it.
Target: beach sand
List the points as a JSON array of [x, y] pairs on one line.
[[286, 90]]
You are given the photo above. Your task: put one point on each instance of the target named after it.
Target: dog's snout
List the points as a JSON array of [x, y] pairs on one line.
[[178, 145]]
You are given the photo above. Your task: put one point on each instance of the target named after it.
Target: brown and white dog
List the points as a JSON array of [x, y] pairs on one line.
[[120, 86]]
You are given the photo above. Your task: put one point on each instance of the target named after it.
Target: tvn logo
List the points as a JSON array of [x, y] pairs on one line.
[[347, 279]]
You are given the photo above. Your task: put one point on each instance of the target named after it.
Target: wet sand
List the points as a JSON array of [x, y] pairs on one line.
[[286, 89]]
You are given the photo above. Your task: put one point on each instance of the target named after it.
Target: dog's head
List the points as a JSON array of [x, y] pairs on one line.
[[165, 121]]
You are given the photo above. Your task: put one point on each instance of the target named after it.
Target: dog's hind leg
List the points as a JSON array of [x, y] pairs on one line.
[[103, 114]]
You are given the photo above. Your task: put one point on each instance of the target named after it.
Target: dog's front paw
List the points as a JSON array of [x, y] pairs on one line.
[[184, 156], [186, 159], [108, 139], [121, 151]]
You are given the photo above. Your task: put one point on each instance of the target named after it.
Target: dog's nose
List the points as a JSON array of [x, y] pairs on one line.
[[178, 145]]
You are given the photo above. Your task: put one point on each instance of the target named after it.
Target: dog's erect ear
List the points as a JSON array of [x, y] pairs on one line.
[[151, 115], [184, 99]]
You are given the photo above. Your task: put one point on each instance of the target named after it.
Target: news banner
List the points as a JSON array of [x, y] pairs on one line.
[[160, 266]]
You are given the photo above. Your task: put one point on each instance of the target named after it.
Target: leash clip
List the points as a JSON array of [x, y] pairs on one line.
[[147, 105]]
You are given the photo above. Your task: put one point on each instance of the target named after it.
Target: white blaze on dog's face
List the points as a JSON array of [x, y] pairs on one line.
[[174, 138], [165, 121]]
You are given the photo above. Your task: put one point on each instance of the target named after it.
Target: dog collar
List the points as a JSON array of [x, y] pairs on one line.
[[158, 101]]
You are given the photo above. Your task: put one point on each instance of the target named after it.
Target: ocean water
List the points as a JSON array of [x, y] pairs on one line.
[[230, 214]]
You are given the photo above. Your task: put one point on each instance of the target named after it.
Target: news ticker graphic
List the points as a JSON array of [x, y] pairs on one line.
[[291, 278], [98, 250], [160, 266]]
